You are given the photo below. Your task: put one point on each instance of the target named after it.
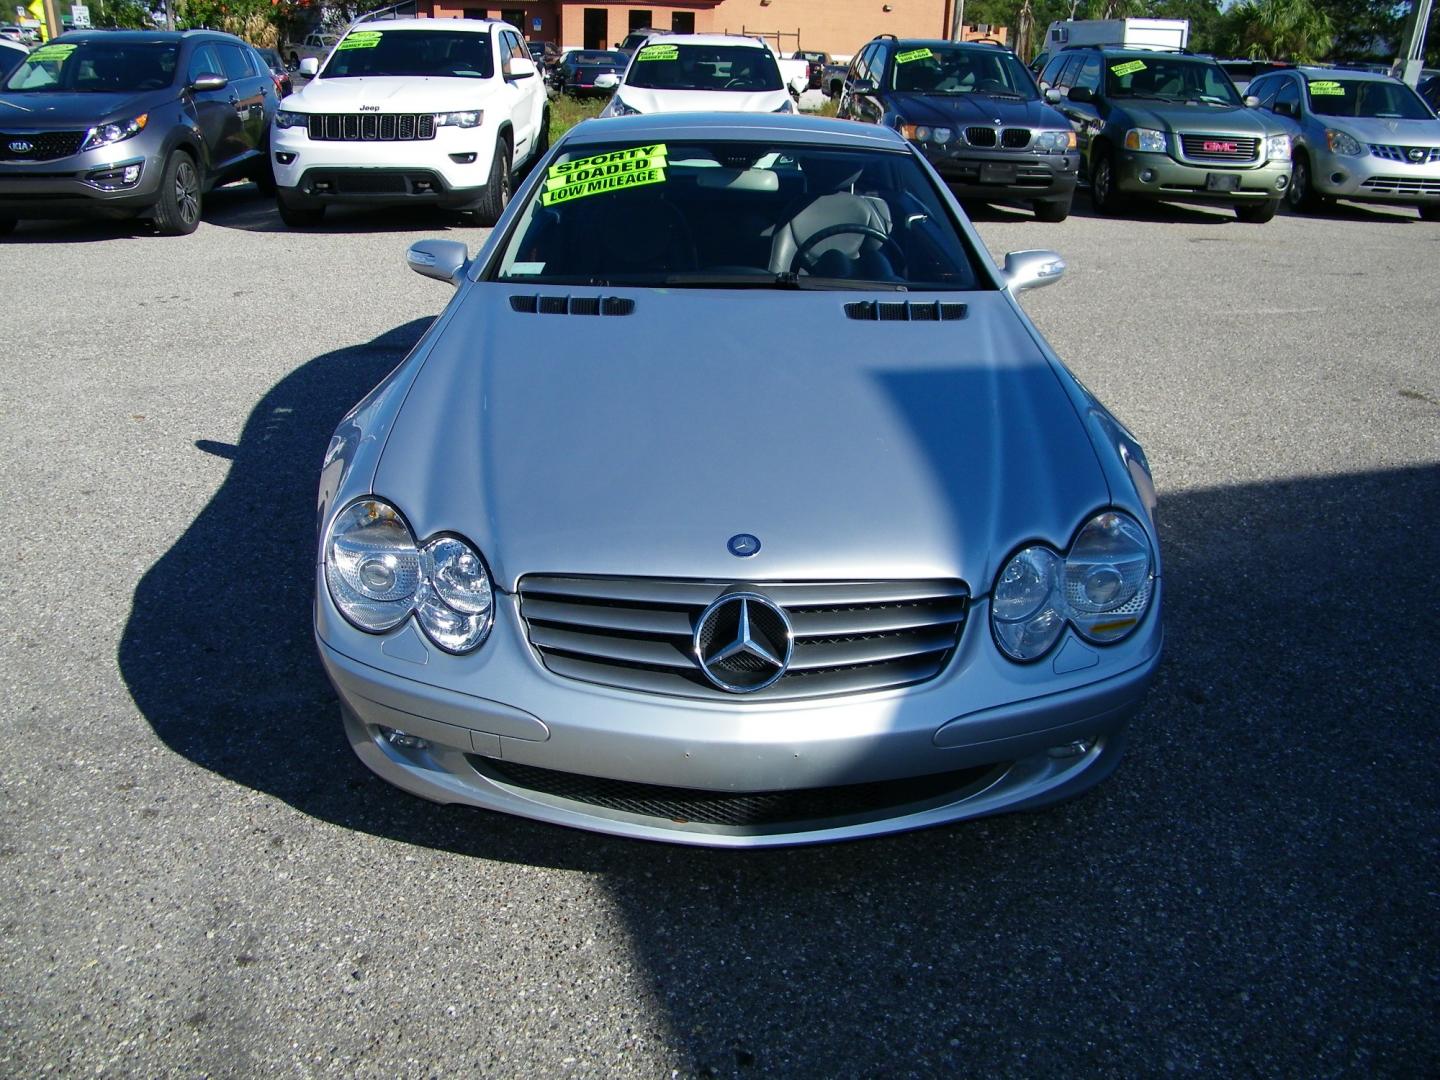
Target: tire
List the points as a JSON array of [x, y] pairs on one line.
[[1428, 212], [299, 217], [1257, 213], [177, 213], [294, 61], [1300, 196], [7, 225], [1053, 209], [497, 189], [542, 145], [264, 177], [1103, 195]]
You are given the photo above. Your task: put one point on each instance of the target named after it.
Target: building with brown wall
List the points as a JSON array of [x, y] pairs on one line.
[[838, 27]]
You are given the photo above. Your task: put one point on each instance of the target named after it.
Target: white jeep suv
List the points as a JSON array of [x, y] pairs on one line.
[[436, 111]]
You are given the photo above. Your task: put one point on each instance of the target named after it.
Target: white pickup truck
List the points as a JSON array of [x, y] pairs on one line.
[[411, 111], [316, 46]]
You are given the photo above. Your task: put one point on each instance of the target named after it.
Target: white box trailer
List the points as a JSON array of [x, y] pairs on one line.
[[1141, 33]]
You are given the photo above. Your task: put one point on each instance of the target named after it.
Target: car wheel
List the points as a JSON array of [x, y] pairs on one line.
[[1257, 213], [1428, 212], [294, 61], [497, 190], [1102, 184], [1300, 195], [299, 217], [1053, 209], [542, 143], [178, 210], [7, 225], [264, 177]]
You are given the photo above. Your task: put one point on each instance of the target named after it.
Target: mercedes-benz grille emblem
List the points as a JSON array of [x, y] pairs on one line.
[[743, 642], [743, 545], [20, 146]]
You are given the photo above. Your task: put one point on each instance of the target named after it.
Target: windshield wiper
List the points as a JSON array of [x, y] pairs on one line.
[[782, 280], [1008, 94]]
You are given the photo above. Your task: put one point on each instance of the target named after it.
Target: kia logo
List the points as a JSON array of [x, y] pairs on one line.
[[20, 146], [1215, 146]]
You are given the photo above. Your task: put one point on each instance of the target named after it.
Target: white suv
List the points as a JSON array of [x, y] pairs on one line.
[[436, 111], [702, 73]]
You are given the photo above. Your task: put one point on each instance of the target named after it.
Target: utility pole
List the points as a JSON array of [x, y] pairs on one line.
[[957, 25], [53, 26], [1412, 41]]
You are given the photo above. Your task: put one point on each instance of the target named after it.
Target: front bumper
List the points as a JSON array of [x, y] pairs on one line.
[[1370, 178], [984, 737], [980, 174], [1161, 176], [71, 187], [450, 170]]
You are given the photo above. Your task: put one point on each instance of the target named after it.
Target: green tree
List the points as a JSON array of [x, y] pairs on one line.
[[1295, 30]]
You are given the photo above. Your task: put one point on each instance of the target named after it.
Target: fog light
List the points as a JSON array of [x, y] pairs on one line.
[[114, 178], [1281, 183], [462, 159], [404, 740], [132, 173], [285, 157], [1078, 748], [1147, 176], [1337, 178]]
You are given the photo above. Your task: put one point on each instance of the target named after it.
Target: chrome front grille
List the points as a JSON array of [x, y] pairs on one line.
[[636, 633], [1429, 155], [1401, 185], [371, 127], [1229, 148]]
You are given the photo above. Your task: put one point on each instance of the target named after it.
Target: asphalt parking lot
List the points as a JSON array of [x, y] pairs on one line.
[[198, 878]]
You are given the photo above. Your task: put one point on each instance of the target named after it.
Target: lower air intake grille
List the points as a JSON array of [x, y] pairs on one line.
[[637, 633], [895, 311], [539, 304], [751, 809], [1401, 185]]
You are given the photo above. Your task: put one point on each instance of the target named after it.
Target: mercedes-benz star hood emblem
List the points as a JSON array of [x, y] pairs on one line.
[[743, 642]]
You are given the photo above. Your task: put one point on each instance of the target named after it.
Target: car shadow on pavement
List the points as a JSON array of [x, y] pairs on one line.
[[1254, 885], [243, 207]]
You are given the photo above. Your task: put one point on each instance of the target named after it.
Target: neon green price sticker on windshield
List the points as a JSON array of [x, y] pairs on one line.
[[1128, 68], [635, 167], [913, 54], [361, 39], [659, 52], [1327, 89], [49, 52]]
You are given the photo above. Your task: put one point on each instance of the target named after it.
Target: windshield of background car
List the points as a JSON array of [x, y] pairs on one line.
[[935, 69], [1169, 78], [1357, 97], [97, 67], [751, 214], [444, 53], [704, 67]]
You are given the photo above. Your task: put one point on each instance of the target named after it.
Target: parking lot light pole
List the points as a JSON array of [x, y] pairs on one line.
[[1412, 41]]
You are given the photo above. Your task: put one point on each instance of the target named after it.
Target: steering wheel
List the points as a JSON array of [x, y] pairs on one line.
[[799, 261], [736, 83]]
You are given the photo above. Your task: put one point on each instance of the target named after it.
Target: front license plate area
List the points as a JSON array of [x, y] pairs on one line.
[[1222, 182], [997, 172]]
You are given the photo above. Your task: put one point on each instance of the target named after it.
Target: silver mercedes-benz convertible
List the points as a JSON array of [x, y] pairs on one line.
[[734, 500]]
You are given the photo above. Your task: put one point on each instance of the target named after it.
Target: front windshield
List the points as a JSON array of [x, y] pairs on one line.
[[96, 67], [444, 53], [1366, 97], [936, 69], [1169, 78], [737, 215], [704, 67]]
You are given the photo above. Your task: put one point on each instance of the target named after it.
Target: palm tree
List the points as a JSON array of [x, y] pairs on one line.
[[1294, 30]]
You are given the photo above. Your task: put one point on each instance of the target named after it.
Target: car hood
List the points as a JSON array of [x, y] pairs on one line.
[[1198, 119], [1375, 129], [640, 444], [962, 110], [666, 101], [390, 94], [38, 111]]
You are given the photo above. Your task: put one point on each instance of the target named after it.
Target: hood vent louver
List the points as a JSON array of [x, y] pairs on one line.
[[900, 311], [540, 304]]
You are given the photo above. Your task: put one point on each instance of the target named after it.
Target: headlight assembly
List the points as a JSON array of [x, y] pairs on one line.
[[1102, 587], [617, 107], [377, 575], [1055, 141], [1145, 139], [284, 119], [1342, 143], [105, 134], [470, 119], [1277, 147]]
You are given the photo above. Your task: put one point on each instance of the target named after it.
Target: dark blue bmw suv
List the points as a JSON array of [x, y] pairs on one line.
[[976, 112]]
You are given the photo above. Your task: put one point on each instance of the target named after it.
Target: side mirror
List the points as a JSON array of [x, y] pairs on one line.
[[209, 81], [1286, 108], [1052, 95], [862, 86], [1251, 101], [521, 68], [1031, 269], [1081, 94], [443, 260], [310, 66]]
